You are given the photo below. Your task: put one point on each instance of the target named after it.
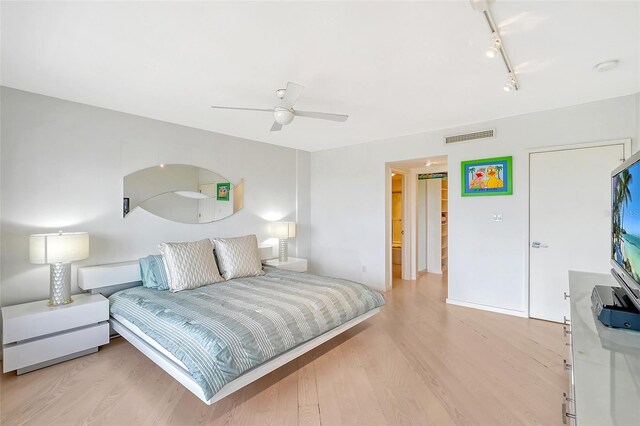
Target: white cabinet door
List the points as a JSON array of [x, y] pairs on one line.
[[570, 220]]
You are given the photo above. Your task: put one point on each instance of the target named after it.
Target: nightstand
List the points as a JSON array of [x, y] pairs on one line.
[[35, 335], [292, 264]]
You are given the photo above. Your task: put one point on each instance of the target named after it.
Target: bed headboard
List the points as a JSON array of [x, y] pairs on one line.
[[112, 277], [109, 278]]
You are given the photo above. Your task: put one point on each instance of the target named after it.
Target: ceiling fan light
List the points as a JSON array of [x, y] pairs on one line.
[[283, 116]]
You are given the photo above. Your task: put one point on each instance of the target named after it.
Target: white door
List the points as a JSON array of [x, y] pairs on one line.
[[206, 206], [570, 219]]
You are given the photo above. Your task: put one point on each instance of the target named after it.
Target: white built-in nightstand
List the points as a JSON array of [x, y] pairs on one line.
[[292, 264], [35, 335]]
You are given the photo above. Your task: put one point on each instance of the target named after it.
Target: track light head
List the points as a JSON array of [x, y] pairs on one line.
[[511, 83], [493, 50]]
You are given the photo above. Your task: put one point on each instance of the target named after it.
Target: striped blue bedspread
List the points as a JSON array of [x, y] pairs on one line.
[[221, 330]]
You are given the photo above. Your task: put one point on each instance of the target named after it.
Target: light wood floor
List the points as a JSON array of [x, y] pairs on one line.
[[419, 362]]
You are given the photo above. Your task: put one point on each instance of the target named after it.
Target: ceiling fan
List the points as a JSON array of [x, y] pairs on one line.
[[283, 113]]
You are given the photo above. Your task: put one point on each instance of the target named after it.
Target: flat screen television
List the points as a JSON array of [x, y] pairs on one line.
[[625, 226]]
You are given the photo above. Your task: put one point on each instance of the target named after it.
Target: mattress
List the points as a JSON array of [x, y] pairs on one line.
[[222, 330]]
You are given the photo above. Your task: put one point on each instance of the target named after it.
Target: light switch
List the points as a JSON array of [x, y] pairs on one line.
[[497, 217]]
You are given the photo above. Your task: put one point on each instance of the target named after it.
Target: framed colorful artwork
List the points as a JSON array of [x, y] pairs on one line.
[[489, 176], [222, 191]]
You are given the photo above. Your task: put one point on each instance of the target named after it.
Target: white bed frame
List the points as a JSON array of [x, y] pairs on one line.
[[107, 279]]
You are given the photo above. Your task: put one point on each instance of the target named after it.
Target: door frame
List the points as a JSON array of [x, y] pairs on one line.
[[413, 205], [406, 224], [626, 143]]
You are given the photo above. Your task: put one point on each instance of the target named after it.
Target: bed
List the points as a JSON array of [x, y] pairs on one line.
[[218, 338]]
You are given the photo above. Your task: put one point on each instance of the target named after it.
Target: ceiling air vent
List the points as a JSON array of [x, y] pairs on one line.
[[491, 133]]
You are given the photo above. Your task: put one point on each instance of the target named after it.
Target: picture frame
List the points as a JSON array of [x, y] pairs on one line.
[[487, 177], [222, 191]]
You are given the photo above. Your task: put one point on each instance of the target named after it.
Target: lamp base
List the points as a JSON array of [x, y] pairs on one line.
[[60, 284], [283, 250]]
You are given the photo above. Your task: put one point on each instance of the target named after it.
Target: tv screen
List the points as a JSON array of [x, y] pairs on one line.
[[625, 225]]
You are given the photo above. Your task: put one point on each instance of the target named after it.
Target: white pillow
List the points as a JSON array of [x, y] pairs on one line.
[[190, 265], [238, 257]]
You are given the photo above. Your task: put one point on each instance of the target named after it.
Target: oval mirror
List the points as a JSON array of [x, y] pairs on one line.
[[182, 193]]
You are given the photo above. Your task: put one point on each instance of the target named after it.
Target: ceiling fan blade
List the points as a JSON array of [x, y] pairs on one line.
[[276, 127], [294, 90], [321, 115], [244, 109]]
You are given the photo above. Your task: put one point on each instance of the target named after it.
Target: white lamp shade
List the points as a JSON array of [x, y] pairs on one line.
[[282, 230], [56, 248]]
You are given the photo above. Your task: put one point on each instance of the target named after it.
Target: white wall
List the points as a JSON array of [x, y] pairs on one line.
[[487, 260], [637, 118], [62, 168]]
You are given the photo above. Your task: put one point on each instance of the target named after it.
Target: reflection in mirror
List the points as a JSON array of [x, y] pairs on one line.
[[182, 193]]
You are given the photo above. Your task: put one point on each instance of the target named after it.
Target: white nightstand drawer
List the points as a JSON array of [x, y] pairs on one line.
[[29, 320], [20, 355]]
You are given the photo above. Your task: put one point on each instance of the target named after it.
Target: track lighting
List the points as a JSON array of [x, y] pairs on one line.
[[497, 47], [511, 83], [493, 50]]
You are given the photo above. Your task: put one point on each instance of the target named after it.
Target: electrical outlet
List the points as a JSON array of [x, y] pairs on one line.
[[497, 217]]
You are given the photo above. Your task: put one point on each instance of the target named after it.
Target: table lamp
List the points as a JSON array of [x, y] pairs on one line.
[[59, 250], [283, 231]]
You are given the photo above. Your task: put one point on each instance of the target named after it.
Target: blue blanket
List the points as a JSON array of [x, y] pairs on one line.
[[221, 330]]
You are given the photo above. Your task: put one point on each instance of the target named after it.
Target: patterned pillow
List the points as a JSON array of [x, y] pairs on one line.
[[189, 265], [238, 257]]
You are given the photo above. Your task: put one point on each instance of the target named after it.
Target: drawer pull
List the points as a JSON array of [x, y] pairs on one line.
[[565, 414], [565, 332], [566, 296], [567, 366], [566, 320]]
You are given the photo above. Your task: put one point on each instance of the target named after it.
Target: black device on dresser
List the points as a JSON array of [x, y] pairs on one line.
[[613, 308]]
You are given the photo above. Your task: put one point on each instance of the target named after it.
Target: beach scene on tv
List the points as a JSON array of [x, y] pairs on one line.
[[625, 220]]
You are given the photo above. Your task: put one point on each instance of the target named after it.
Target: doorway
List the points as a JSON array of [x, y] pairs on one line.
[[417, 218], [432, 227], [397, 228], [569, 220]]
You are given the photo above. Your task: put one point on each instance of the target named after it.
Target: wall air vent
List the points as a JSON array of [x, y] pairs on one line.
[[483, 134]]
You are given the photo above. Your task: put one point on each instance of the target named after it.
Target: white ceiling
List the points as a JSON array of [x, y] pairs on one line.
[[396, 68]]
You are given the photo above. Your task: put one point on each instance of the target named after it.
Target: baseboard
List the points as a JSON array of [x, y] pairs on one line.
[[487, 308]]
